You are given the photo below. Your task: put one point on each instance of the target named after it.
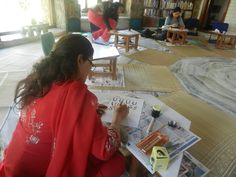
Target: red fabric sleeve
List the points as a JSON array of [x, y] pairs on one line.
[[106, 141]]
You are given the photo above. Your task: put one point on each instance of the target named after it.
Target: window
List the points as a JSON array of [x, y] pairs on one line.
[[14, 14], [85, 4]]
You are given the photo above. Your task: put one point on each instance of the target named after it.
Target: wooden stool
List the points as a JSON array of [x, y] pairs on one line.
[[222, 39], [102, 52], [127, 36], [177, 36], [112, 69]]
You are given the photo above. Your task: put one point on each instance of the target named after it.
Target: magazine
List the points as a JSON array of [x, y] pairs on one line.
[[191, 167]]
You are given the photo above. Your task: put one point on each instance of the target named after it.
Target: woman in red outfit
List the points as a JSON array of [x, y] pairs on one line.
[[60, 133], [103, 19]]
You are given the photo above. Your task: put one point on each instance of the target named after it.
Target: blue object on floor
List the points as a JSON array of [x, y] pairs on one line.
[[48, 41], [192, 23], [222, 27]]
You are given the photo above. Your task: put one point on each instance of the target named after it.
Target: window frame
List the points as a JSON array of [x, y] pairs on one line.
[[85, 10]]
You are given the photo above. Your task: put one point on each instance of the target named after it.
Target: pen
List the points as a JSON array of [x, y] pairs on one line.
[[150, 126]]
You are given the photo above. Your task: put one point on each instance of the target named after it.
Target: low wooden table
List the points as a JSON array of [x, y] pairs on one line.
[[227, 40], [127, 36], [176, 36], [102, 52]]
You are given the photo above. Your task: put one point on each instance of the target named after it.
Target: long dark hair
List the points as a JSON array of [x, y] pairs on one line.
[[61, 65], [112, 10], [176, 9]]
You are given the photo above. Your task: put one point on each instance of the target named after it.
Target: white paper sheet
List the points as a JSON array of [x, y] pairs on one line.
[[135, 108]]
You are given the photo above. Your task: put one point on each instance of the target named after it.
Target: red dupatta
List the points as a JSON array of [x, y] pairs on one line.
[[73, 129]]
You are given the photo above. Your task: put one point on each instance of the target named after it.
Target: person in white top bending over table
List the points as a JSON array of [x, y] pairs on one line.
[[174, 20]]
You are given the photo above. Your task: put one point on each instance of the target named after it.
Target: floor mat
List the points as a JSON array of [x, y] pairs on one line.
[[107, 81], [226, 52], [154, 57], [211, 79], [216, 150], [131, 51], [152, 44], [192, 51], [140, 77]]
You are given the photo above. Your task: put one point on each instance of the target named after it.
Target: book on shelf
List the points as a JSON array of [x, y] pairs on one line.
[[151, 3], [150, 12], [184, 5]]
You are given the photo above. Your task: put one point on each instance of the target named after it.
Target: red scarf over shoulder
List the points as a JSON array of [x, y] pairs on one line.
[[73, 122]]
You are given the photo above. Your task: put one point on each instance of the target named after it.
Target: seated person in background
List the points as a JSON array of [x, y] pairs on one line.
[[174, 20], [103, 20], [59, 132]]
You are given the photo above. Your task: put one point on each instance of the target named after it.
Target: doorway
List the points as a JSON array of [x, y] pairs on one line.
[[214, 10]]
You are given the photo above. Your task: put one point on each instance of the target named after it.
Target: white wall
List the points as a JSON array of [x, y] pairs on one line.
[[123, 23], [230, 16]]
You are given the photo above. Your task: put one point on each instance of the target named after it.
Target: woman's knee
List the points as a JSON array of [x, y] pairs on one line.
[[115, 167]]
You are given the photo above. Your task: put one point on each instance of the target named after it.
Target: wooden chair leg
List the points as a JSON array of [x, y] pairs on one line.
[[168, 34], [136, 41], [114, 75], [110, 66], [218, 41], [116, 39], [173, 38], [126, 44], [234, 43]]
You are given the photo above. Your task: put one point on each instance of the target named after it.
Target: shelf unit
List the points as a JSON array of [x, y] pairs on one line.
[[157, 9]]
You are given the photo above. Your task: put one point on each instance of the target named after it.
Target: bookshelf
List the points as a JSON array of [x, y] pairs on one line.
[[157, 9]]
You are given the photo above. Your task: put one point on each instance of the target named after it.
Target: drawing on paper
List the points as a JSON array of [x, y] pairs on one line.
[[135, 108]]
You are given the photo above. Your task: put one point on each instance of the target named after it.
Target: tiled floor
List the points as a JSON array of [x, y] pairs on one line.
[[15, 62]]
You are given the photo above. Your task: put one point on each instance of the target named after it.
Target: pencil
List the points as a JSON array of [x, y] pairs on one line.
[[146, 140], [151, 144]]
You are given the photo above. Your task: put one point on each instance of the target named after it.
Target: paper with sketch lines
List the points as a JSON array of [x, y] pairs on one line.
[[135, 108]]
